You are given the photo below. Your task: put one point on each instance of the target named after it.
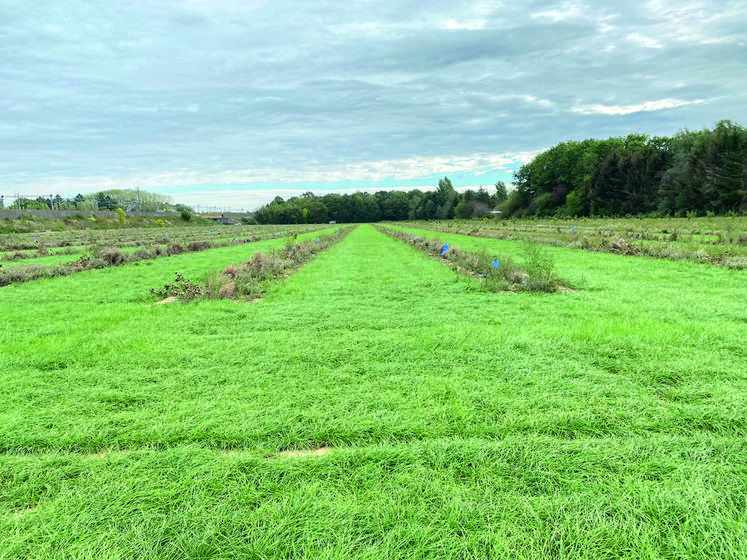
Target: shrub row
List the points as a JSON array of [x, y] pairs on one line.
[[621, 246], [98, 258], [139, 236], [497, 274], [101, 257], [41, 251], [617, 244], [251, 279]]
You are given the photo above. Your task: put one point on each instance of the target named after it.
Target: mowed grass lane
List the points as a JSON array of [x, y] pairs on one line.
[[375, 405]]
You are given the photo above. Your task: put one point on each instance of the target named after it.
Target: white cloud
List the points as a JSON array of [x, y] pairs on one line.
[[529, 99], [565, 11], [599, 109], [374, 171], [472, 25], [644, 41]]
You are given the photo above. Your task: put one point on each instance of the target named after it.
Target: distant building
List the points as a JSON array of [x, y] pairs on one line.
[[226, 219]]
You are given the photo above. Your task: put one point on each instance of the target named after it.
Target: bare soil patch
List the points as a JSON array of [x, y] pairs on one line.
[[170, 299], [319, 451]]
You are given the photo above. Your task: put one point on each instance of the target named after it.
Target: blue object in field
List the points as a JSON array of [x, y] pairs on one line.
[[293, 249], [410, 236], [446, 248], [167, 236], [496, 263], [317, 240], [33, 239]]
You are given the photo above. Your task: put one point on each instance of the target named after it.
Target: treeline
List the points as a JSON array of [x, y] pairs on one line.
[[128, 199], [442, 203], [693, 173]]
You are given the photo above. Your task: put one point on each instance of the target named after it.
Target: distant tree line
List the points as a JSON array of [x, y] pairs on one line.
[[127, 199], [693, 173], [442, 203]]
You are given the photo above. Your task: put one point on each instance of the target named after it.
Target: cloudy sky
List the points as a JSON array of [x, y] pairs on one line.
[[230, 102]]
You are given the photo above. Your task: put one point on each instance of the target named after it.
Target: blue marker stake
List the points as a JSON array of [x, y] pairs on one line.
[[446, 248], [496, 263], [410, 236], [317, 240], [167, 236]]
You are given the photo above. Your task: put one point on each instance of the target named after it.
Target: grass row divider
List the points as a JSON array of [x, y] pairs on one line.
[[250, 280], [496, 274], [41, 241], [99, 257], [611, 242]]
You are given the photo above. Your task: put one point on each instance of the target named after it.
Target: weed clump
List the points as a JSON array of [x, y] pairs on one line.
[[174, 249], [620, 246], [182, 289], [196, 246], [539, 267], [113, 257], [141, 255]]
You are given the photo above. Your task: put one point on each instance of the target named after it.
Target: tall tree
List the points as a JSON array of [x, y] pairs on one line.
[[501, 193]]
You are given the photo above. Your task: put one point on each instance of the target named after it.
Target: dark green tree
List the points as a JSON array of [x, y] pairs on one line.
[[501, 193]]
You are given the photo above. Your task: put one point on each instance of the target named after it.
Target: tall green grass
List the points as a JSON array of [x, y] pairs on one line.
[[445, 421]]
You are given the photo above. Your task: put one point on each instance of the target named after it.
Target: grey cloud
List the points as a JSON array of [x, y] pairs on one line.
[[150, 87], [190, 19], [445, 48]]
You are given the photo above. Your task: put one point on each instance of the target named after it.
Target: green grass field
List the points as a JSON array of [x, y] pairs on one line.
[[377, 405]]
